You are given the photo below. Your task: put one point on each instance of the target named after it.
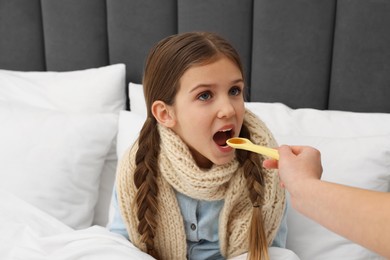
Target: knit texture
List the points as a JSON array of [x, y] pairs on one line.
[[179, 172]]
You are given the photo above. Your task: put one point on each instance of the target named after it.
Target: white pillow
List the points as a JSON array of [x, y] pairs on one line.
[[54, 159], [355, 150], [283, 120], [91, 90], [360, 162], [98, 90], [137, 99], [129, 126]]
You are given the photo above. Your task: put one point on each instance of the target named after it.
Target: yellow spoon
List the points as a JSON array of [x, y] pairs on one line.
[[246, 144]]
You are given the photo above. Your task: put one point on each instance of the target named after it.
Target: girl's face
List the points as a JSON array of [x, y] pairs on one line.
[[209, 109]]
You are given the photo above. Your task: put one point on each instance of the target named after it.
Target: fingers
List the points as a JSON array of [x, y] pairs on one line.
[[291, 153], [270, 164], [288, 151], [285, 151]]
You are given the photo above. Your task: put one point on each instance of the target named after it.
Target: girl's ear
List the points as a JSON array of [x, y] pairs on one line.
[[163, 114]]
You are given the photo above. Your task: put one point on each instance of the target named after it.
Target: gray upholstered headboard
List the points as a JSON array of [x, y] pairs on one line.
[[324, 54]]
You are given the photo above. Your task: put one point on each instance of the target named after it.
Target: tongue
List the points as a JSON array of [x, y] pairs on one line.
[[221, 137]]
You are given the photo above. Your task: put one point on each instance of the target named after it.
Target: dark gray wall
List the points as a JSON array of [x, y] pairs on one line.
[[324, 54]]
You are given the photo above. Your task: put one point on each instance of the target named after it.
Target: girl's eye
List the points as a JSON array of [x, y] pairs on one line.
[[204, 96], [235, 91]]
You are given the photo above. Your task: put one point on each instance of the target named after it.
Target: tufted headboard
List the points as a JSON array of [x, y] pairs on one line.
[[324, 54]]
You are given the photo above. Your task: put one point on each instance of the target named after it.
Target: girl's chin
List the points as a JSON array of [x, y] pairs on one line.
[[221, 156], [206, 163], [224, 160]]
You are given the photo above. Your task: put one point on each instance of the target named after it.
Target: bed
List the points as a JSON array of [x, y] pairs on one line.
[[71, 102]]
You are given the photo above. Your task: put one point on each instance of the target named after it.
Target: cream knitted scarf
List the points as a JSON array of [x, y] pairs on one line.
[[179, 172]]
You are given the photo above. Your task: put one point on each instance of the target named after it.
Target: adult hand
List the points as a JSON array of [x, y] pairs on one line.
[[296, 164]]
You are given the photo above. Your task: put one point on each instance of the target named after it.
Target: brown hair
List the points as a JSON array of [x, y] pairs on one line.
[[166, 63]]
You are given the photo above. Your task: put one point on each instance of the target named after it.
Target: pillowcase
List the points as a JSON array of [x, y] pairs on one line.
[[137, 99], [91, 90], [96, 90], [362, 162], [54, 159], [283, 120], [355, 151], [358, 161], [129, 127]]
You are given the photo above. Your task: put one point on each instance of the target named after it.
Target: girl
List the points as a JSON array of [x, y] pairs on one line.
[[180, 191]]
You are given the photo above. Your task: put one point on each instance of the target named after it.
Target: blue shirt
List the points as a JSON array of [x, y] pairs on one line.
[[201, 226]]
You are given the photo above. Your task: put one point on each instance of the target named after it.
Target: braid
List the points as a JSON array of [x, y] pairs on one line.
[[251, 163], [145, 180]]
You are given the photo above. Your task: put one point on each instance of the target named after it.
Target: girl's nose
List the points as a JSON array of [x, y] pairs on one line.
[[226, 110]]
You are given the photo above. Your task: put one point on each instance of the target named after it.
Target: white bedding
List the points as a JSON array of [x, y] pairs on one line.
[[29, 233], [355, 151]]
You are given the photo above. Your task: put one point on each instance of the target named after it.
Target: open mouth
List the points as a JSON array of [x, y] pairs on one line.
[[220, 137]]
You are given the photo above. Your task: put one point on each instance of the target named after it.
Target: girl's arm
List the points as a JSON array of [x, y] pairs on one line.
[[116, 224]]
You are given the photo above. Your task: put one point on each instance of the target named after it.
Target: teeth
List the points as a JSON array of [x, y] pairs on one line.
[[226, 130]]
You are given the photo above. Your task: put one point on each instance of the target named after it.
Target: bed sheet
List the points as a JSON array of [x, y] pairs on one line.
[[29, 233]]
